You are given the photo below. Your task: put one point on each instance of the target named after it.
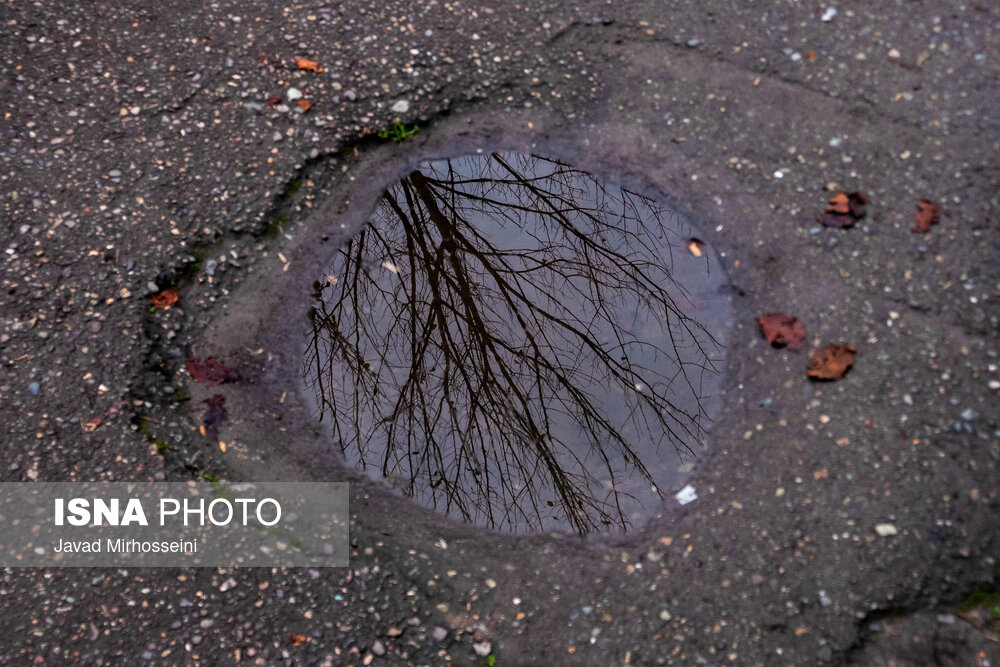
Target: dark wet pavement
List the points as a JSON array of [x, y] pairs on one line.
[[159, 147]]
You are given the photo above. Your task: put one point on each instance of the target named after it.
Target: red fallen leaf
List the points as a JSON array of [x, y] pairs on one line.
[[832, 362], [90, 425], [210, 371], [305, 105], [297, 639], [844, 209], [928, 213], [214, 416], [164, 299], [273, 100], [310, 65], [780, 329]]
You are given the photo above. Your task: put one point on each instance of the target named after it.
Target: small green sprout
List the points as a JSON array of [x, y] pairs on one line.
[[399, 132]]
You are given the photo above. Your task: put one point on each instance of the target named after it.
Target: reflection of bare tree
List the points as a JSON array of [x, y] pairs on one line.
[[499, 337]]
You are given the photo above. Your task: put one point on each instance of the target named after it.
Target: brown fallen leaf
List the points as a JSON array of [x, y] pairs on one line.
[[164, 299], [296, 639], [210, 371], [214, 416], [780, 329], [273, 100], [305, 105], [306, 64], [844, 209], [695, 246], [831, 362], [928, 213], [858, 202], [90, 425]]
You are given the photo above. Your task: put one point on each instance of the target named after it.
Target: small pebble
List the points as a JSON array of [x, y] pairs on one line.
[[378, 648], [401, 106], [886, 529], [482, 649], [33, 388], [439, 634]]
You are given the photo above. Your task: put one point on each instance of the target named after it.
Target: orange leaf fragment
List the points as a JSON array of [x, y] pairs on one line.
[[839, 203], [831, 362], [305, 105], [164, 299], [296, 639], [780, 329], [928, 213], [309, 65], [91, 424]]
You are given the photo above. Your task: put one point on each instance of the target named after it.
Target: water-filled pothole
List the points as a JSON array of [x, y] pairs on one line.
[[512, 342]]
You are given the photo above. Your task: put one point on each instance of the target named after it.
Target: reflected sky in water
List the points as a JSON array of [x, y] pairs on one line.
[[513, 343]]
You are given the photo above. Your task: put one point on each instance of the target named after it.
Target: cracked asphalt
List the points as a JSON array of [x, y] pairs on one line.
[[161, 146]]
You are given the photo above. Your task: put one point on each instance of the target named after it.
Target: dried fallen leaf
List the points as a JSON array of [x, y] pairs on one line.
[[780, 329], [839, 203], [296, 639], [164, 299], [844, 209], [928, 213], [90, 425], [858, 202], [305, 105], [832, 362], [210, 371], [306, 64], [273, 100], [695, 245], [214, 416]]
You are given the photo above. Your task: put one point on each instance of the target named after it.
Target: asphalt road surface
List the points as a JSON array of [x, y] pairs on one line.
[[186, 146]]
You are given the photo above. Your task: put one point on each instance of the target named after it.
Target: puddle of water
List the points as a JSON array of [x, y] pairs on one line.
[[511, 342]]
